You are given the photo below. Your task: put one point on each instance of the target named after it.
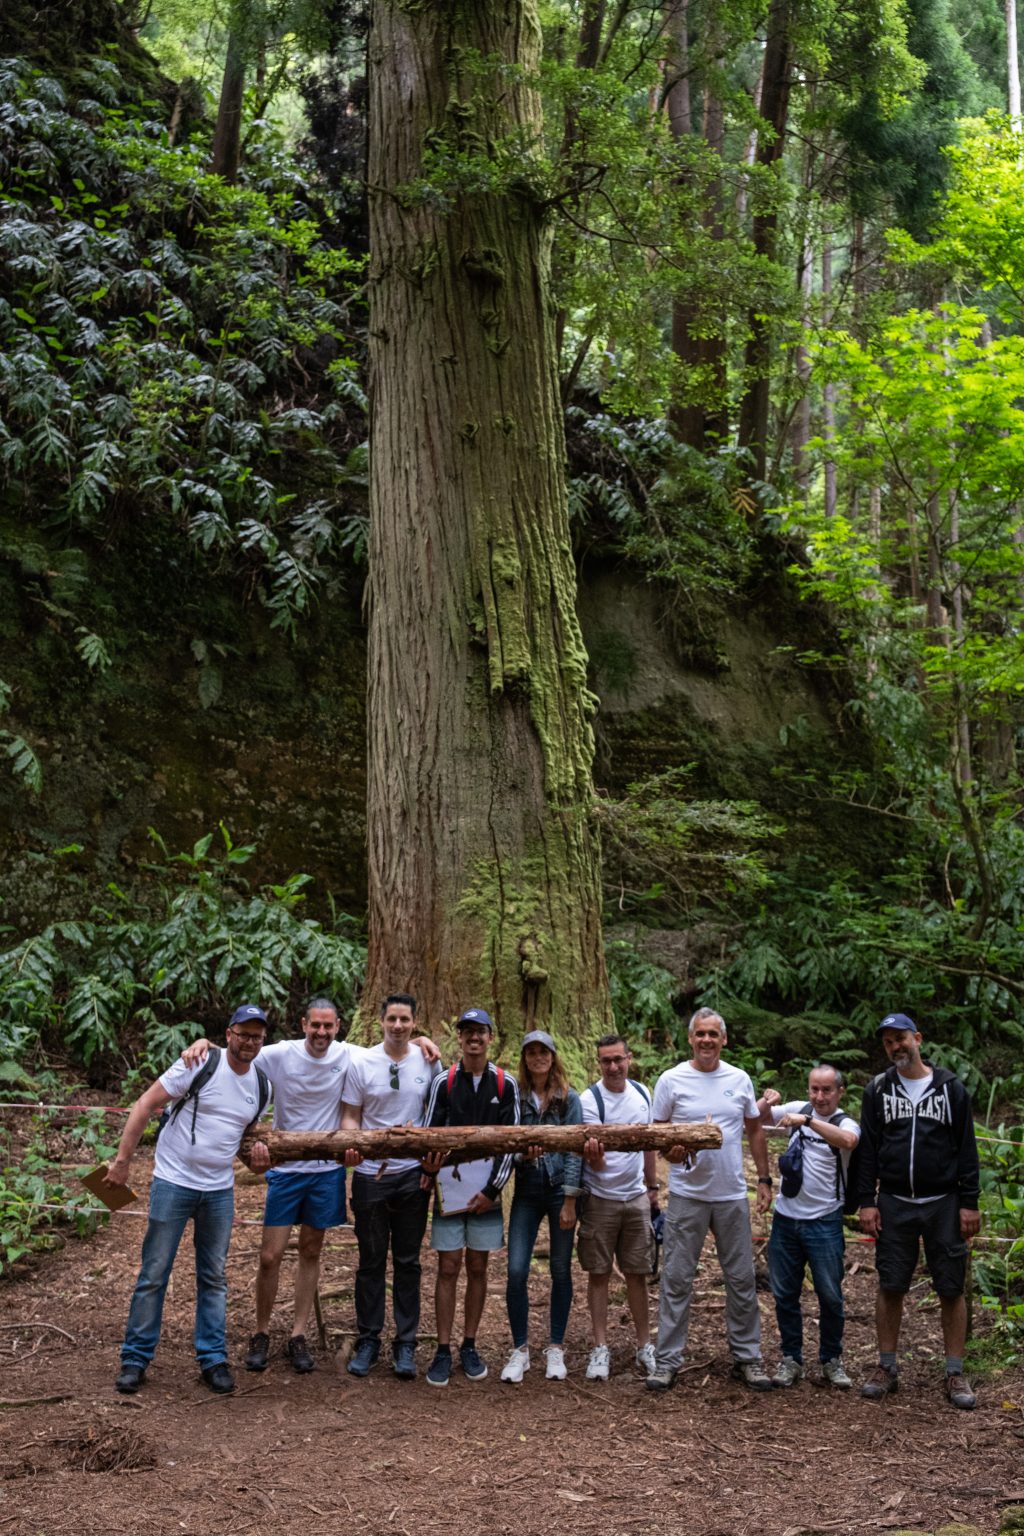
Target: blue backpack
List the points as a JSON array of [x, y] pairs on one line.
[[595, 1089]]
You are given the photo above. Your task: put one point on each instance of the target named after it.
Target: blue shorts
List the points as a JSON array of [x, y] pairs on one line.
[[463, 1230], [314, 1199]]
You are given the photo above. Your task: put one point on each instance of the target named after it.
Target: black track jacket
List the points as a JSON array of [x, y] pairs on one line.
[[927, 1149], [477, 1106]]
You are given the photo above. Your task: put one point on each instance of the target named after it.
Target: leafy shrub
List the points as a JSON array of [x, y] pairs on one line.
[[124, 983]]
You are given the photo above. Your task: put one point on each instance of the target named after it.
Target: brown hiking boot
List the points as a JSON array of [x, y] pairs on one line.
[[880, 1383], [958, 1390]]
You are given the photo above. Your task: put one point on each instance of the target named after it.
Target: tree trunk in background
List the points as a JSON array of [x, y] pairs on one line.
[[484, 879], [1012, 63], [702, 422], [227, 135], [753, 429], [828, 403]]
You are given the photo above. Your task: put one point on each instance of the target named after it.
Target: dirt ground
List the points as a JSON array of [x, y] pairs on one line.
[[323, 1453]]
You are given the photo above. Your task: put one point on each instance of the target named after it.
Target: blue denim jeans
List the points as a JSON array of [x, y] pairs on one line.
[[170, 1208], [536, 1197], [820, 1244]]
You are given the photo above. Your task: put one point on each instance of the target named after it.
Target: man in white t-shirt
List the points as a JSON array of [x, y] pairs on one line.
[[193, 1180], [807, 1229], [388, 1086], [620, 1191], [308, 1078], [708, 1192]]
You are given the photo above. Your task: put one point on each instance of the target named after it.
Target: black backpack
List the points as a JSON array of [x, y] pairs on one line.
[[595, 1089], [791, 1166], [201, 1078]]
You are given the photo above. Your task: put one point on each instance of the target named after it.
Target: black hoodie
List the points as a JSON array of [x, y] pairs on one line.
[[918, 1150]]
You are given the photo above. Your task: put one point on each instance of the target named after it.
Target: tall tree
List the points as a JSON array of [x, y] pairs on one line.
[[483, 862]]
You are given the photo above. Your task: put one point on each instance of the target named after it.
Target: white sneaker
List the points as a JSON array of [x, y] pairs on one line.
[[556, 1370], [600, 1363], [518, 1364], [646, 1360]]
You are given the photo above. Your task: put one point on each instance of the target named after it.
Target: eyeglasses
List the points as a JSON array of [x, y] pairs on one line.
[[393, 1069], [247, 1038]]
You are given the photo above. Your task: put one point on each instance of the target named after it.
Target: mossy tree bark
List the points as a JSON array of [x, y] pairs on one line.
[[484, 880]]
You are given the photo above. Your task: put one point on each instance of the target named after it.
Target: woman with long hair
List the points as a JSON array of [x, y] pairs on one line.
[[546, 1185]]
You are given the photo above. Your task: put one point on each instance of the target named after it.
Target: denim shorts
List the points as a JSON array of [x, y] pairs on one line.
[[483, 1233], [314, 1199]]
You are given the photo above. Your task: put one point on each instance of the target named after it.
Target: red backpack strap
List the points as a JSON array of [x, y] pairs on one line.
[[501, 1083], [451, 1077]]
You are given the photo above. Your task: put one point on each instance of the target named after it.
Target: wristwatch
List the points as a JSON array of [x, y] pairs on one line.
[[765, 1178]]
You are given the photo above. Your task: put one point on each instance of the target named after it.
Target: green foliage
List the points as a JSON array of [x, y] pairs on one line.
[[171, 348], [999, 1265], [643, 1006], [123, 982], [40, 1197], [665, 848]]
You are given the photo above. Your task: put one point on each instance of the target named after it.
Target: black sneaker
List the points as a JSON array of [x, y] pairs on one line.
[[439, 1370], [259, 1352], [364, 1357], [300, 1357], [130, 1378], [405, 1361], [218, 1378], [472, 1365]]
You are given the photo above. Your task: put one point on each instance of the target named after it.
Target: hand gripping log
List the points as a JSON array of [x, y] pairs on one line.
[[462, 1143]]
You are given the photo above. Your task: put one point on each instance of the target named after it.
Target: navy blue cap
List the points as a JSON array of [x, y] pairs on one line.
[[475, 1016], [246, 1014], [897, 1021]]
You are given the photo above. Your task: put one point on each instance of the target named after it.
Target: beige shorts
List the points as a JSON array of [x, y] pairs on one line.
[[616, 1232]]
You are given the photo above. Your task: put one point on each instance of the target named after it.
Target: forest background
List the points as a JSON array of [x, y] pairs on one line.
[[779, 254]]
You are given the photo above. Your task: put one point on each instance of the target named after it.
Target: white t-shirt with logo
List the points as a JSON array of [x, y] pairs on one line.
[[224, 1106], [727, 1095], [817, 1195], [370, 1087], [308, 1091], [622, 1177]]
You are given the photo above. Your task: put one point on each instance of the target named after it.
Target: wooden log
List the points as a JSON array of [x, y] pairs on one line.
[[462, 1143]]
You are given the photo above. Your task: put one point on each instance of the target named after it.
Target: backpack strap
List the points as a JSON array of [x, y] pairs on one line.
[[451, 1078], [595, 1089], [500, 1072], [642, 1091], [201, 1078], [264, 1096]]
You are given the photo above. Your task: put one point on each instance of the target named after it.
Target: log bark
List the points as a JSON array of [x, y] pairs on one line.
[[465, 1142]]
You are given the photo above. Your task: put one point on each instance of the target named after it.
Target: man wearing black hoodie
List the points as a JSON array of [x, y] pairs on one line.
[[918, 1180]]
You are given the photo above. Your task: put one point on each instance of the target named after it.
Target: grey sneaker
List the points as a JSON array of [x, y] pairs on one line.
[[645, 1359], [788, 1372], [880, 1383], [600, 1363], [661, 1379], [753, 1375], [958, 1390], [834, 1373]]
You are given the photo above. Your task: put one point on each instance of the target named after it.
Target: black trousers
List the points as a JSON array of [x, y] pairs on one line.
[[389, 1212]]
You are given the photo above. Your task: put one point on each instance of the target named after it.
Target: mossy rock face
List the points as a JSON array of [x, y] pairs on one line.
[[1011, 1519]]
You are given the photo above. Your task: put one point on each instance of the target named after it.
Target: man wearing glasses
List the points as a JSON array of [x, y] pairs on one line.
[[308, 1077], [386, 1086], [193, 1179]]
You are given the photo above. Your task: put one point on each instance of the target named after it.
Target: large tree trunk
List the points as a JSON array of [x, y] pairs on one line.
[[484, 880], [462, 1143]]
